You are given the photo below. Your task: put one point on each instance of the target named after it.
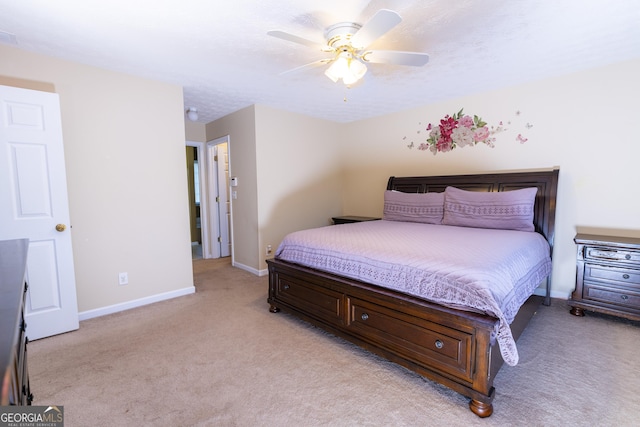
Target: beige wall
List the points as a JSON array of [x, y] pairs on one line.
[[288, 177], [124, 140], [585, 123], [195, 131], [241, 128], [299, 174], [130, 214]]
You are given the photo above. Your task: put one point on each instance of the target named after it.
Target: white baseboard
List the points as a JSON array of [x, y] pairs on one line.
[[103, 311], [554, 294], [251, 269]]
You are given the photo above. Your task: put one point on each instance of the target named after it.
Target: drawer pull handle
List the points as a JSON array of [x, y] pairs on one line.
[[625, 276], [624, 297], [627, 256], [285, 287], [364, 316], [439, 344]]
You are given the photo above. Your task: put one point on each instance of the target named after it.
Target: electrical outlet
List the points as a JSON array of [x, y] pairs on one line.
[[123, 278], [268, 250]]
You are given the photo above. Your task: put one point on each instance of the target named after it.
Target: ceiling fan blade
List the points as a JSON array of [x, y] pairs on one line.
[[378, 25], [296, 39], [307, 66], [397, 57]]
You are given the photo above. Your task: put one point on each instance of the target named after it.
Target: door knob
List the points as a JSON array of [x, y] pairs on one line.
[[61, 227]]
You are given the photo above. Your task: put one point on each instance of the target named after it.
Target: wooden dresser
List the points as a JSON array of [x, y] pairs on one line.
[[13, 340], [608, 276]]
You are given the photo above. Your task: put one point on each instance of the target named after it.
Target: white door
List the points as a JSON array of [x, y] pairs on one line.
[[224, 211], [217, 153], [34, 205]]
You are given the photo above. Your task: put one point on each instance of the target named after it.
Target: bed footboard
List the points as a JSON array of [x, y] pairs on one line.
[[451, 347]]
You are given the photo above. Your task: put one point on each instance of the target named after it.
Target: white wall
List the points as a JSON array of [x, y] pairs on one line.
[[585, 123], [124, 140]]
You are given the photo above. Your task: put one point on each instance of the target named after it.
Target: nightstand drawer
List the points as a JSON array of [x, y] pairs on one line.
[[612, 274], [612, 255], [623, 297]]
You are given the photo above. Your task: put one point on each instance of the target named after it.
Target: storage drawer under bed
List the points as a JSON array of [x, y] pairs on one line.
[[319, 302], [414, 338]]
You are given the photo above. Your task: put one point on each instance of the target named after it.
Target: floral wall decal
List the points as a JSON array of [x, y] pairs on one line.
[[462, 130]]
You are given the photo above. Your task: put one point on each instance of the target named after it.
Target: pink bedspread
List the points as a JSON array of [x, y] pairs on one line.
[[475, 269]]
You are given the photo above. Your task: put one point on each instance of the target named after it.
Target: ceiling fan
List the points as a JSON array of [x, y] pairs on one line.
[[348, 42]]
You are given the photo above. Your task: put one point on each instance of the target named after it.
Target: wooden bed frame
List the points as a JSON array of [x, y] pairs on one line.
[[451, 347]]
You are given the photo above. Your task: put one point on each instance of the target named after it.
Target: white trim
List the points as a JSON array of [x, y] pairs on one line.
[[90, 314], [554, 294], [212, 177], [250, 269]]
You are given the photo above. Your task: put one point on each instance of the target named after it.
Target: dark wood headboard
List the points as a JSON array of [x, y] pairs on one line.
[[546, 181]]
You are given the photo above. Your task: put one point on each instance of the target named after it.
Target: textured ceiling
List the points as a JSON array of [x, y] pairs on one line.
[[219, 51]]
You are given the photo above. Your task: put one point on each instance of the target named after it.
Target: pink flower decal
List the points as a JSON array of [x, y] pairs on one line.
[[466, 121], [461, 130], [458, 130], [481, 134]]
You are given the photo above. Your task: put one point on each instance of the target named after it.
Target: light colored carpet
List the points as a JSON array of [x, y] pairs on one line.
[[220, 358]]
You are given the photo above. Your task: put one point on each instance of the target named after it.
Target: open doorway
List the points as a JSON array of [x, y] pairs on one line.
[[208, 168], [195, 214]]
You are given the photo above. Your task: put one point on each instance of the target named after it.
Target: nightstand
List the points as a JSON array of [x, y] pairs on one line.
[[608, 276], [349, 219]]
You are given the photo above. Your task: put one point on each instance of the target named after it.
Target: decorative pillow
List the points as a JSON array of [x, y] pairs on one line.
[[413, 207], [508, 210]]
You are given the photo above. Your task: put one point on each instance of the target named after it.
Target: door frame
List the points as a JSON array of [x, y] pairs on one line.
[[204, 198], [213, 178], [206, 175]]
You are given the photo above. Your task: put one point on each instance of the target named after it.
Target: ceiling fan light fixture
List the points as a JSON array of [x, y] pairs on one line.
[[357, 70], [347, 68], [350, 43], [338, 68], [334, 78]]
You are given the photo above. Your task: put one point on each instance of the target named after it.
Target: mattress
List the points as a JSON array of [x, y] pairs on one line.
[[482, 270]]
